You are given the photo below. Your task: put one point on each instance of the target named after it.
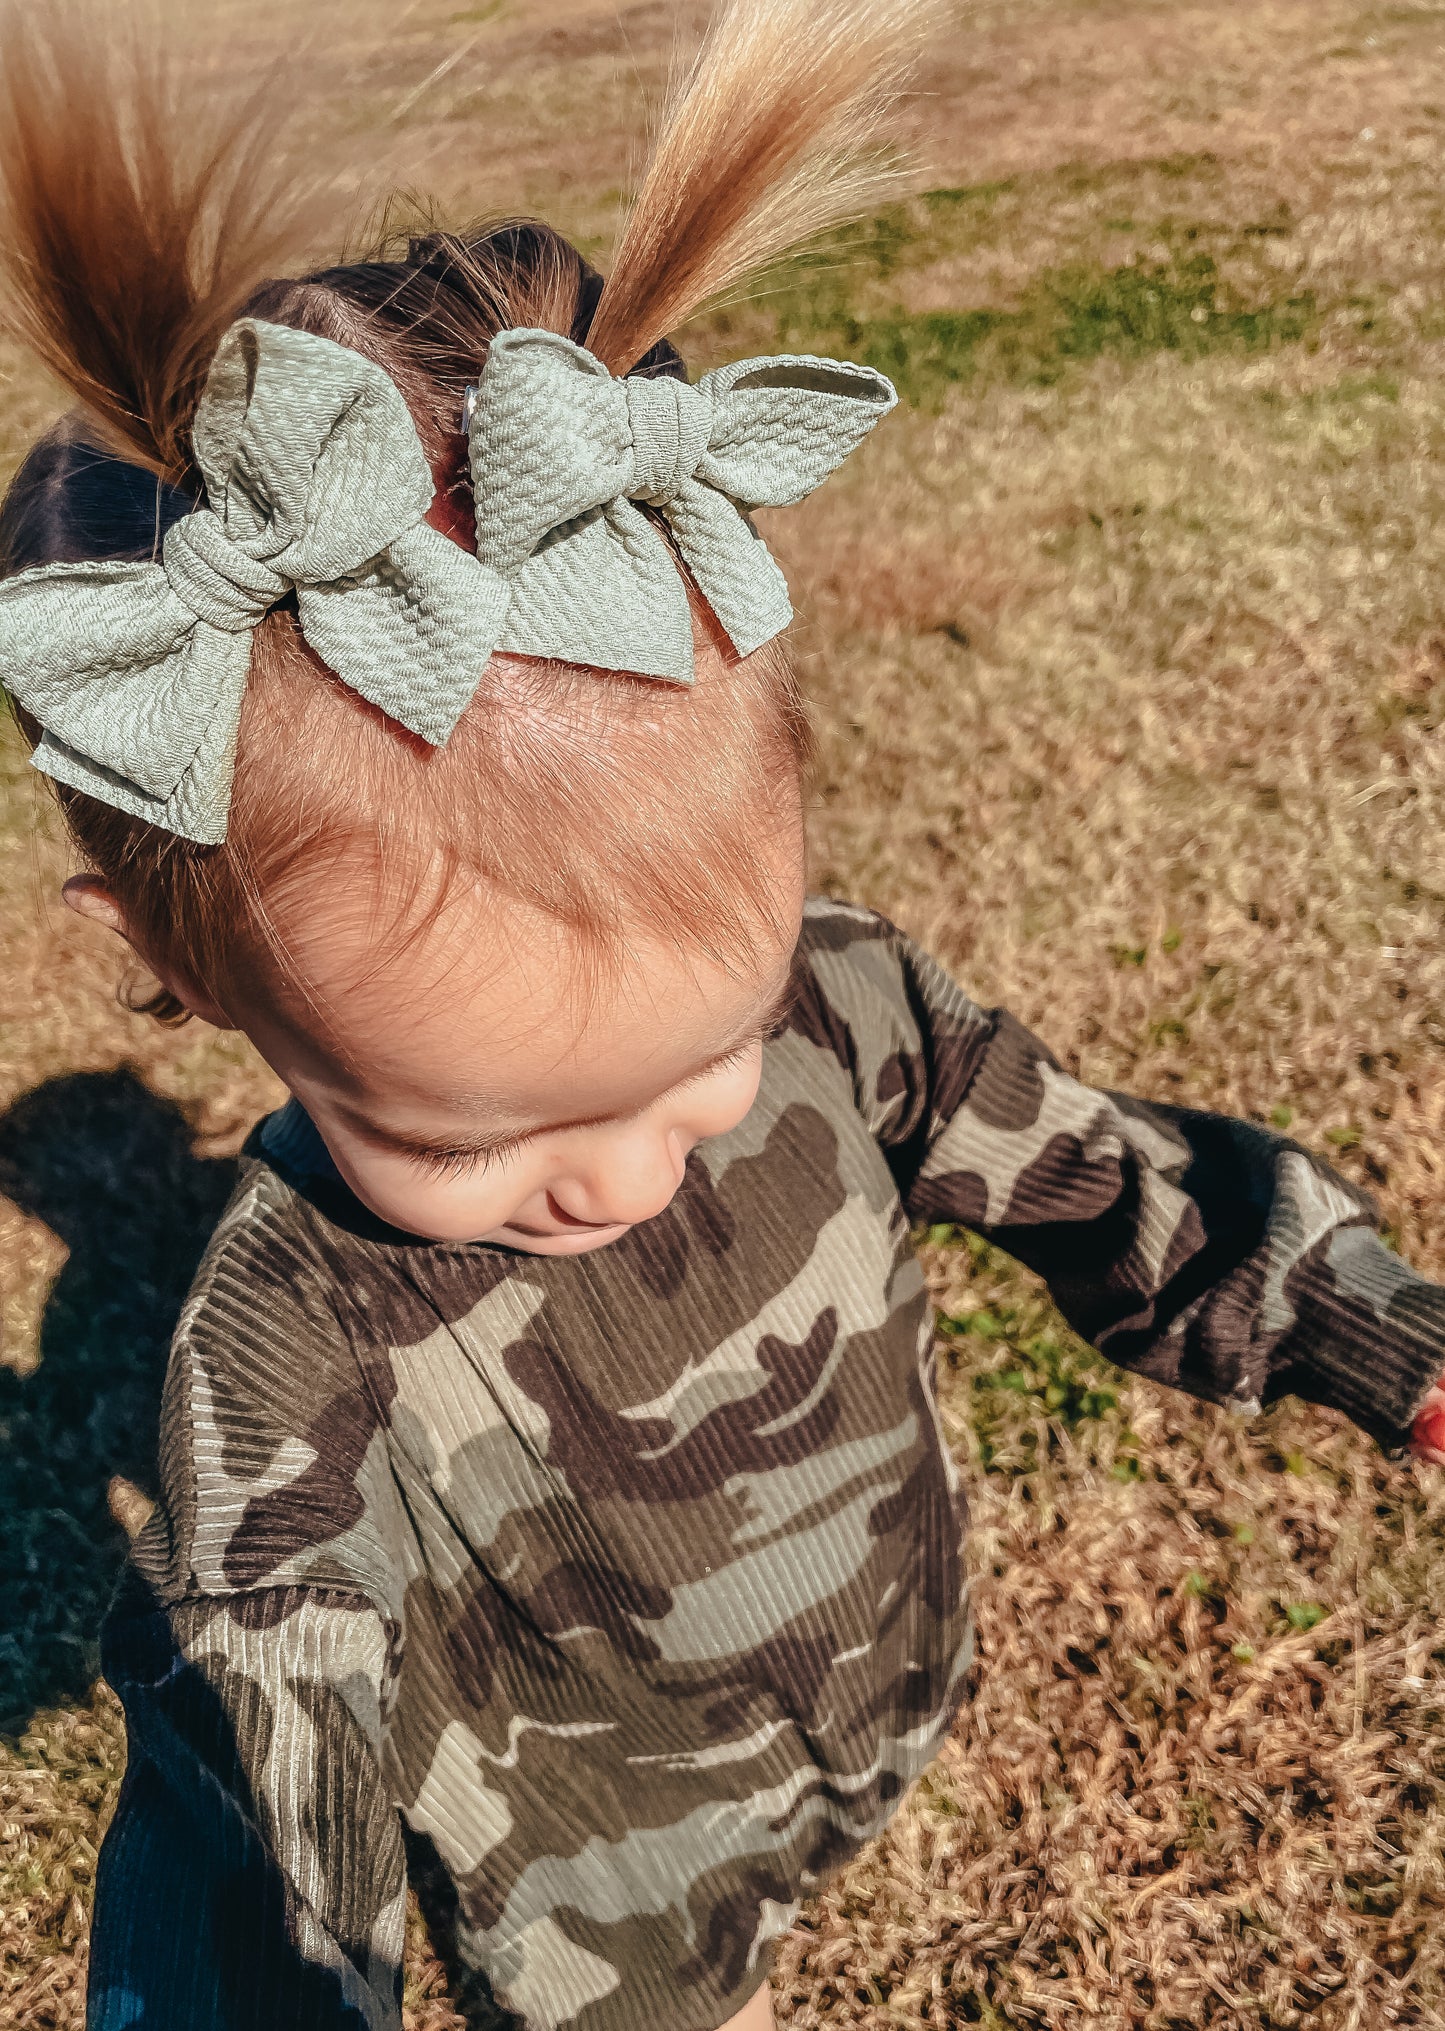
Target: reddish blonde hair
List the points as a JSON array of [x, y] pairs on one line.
[[611, 803]]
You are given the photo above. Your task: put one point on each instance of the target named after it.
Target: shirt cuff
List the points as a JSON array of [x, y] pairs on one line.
[[1369, 1337]]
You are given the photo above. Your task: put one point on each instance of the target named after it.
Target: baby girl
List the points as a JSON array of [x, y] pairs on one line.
[[550, 1458]]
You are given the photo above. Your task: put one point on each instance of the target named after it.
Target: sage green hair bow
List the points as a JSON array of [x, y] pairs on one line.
[[562, 453], [316, 483]]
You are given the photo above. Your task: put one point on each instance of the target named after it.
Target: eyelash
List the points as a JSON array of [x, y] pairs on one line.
[[726, 1064], [454, 1164]]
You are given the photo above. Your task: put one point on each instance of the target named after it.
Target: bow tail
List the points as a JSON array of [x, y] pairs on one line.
[[197, 804], [412, 631], [734, 569], [604, 591]]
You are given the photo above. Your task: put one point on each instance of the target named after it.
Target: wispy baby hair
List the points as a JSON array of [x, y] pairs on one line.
[[617, 806]]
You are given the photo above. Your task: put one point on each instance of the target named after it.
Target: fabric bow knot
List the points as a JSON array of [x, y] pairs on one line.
[[214, 578], [316, 483], [669, 423]]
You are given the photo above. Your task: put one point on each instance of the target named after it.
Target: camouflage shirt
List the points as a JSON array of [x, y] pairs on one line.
[[633, 1578]]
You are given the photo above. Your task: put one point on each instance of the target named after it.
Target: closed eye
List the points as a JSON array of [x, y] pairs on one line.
[[469, 1160], [465, 1161], [726, 1064]]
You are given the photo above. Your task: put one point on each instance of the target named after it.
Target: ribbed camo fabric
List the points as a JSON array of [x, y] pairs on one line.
[[632, 1578]]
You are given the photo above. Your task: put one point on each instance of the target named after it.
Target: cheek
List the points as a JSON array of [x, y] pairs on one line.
[[721, 1103]]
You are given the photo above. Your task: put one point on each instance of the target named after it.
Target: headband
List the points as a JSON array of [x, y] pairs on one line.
[[317, 485]]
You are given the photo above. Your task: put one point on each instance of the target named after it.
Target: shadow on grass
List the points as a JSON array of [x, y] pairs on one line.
[[468, 1990], [110, 1168]]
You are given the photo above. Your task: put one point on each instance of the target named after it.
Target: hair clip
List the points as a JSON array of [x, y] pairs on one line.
[[469, 407]]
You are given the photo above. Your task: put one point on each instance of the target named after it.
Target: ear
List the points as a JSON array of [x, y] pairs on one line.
[[88, 896]]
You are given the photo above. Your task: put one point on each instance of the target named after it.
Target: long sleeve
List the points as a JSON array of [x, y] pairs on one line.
[[1202, 1251], [253, 1877]]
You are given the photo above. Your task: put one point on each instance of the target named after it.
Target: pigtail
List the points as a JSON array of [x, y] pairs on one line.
[[764, 147], [133, 219]]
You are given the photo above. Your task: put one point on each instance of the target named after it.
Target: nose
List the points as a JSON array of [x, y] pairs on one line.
[[632, 1178]]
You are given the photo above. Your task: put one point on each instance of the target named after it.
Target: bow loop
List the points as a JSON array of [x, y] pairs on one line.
[[310, 456], [785, 425]]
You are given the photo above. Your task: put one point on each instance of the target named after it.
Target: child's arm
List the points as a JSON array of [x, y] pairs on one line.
[[1203, 1251], [253, 1876]]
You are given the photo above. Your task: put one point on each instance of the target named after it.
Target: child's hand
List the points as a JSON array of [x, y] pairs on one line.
[[1427, 1434]]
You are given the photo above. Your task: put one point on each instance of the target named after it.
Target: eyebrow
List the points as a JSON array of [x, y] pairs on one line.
[[489, 1143]]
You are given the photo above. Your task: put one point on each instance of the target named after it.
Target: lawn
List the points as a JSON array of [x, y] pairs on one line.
[[1125, 641]]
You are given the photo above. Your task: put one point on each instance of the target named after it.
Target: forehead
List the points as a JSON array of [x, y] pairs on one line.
[[495, 1008]]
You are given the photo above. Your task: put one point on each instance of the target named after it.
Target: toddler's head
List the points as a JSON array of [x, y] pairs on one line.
[[514, 972]]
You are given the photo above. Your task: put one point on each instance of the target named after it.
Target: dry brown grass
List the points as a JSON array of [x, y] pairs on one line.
[[1127, 643], [1198, 1783]]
